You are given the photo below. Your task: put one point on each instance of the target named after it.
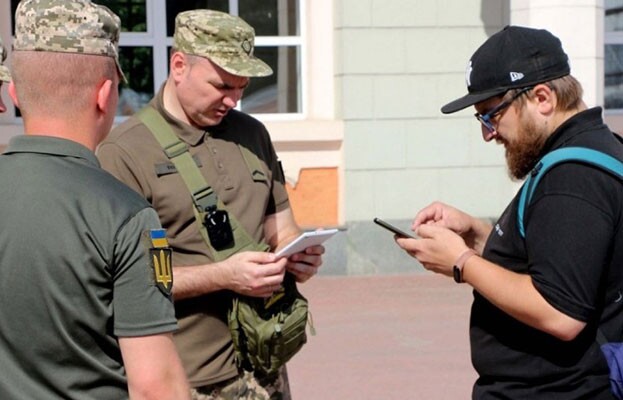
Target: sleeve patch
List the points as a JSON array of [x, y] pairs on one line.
[[160, 260]]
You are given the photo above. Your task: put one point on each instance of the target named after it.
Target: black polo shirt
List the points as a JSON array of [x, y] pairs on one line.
[[574, 253]]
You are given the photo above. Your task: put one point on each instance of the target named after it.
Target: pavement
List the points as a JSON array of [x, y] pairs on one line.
[[385, 337]]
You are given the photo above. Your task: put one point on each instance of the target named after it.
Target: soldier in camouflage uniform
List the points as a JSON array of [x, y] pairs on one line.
[[5, 75], [210, 66], [85, 312]]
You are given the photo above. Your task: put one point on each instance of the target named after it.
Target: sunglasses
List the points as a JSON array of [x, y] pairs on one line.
[[485, 119]]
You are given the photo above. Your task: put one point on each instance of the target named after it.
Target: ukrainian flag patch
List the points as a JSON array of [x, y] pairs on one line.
[[158, 238]]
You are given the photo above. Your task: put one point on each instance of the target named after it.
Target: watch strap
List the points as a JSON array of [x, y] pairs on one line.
[[457, 269]]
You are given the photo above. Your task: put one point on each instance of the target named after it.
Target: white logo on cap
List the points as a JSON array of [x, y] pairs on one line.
[[515, 76], [468, 73]]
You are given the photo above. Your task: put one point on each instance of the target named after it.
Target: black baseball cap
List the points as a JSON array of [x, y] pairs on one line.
[[515, 57]]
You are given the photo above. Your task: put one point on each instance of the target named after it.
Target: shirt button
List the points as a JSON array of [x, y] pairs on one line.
[[220, 165], [213, 150]]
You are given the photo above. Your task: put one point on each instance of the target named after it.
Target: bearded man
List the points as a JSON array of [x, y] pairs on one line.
[[540, 301]]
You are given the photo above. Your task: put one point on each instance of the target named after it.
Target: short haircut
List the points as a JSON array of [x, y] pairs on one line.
[[568, 91], [58, 84]]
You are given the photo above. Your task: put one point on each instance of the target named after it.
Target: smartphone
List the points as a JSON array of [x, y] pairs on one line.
[[305, 240], [392, 228]]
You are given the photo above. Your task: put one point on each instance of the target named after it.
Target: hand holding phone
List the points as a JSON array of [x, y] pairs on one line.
[[392, 228]]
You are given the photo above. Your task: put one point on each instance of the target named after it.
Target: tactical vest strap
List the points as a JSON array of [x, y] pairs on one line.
[[177, 151], [202, 194]]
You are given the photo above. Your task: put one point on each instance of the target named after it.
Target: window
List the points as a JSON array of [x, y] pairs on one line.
[[147, 36], [613, 55]]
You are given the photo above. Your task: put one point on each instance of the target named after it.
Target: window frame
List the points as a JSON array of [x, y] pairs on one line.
[[156, 36], [610, 38]]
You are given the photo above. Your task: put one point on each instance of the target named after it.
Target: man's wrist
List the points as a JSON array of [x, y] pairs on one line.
[[457, 269]]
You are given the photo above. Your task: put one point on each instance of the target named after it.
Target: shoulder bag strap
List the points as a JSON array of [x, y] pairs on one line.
[[566, 154]]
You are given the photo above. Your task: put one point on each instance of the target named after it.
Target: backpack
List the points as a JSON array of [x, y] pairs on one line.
[[612, 351]]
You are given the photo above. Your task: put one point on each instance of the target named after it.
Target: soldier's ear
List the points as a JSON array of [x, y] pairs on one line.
[[179, 65], [104, 94]]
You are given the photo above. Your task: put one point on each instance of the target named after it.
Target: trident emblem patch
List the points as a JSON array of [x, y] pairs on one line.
[[161, 255]]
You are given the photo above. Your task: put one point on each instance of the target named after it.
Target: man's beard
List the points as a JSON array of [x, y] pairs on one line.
[[524, 152]]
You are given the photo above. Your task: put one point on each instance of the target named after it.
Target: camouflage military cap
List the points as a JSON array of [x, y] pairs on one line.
[[67, 26], [5, 75], [222, 38]]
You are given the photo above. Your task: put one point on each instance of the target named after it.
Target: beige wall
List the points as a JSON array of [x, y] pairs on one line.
[[399, 61]]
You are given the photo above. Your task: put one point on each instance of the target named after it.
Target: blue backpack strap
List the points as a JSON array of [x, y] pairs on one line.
[[580, 154]]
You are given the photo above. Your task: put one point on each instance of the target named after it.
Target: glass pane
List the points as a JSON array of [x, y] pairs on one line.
[[136, 63], [131, 13], [614, 15], [271, 17], [175, 7], [280, 92], [613, 90]]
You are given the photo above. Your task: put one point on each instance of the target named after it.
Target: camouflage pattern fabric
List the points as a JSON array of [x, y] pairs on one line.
[[67, 26], [247, 387], [224, 39], [5, 75]]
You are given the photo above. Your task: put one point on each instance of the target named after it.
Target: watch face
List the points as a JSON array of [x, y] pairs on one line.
[[457, 274]]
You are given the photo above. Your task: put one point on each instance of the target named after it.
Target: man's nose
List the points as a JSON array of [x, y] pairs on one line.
[[488, 135], [233, 97]]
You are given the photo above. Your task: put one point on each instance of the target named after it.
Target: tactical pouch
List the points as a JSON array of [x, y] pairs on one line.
[[268, 334]]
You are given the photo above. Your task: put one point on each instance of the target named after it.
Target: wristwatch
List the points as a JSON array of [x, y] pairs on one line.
[[457, 269]]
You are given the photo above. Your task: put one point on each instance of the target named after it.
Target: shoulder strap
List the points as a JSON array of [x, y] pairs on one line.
[[579, 154], [202, 194], [177, 151]]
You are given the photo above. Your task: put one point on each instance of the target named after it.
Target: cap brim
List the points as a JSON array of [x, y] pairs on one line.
[[470, 99], [250, 67]]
